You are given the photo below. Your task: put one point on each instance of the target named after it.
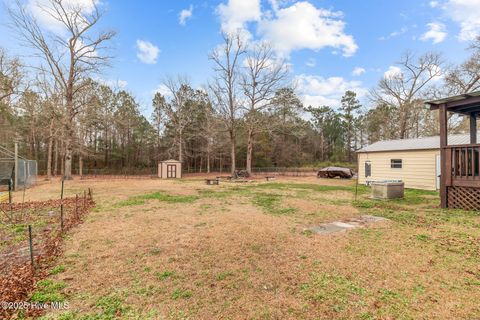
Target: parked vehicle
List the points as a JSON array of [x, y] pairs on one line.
[[334, 172]]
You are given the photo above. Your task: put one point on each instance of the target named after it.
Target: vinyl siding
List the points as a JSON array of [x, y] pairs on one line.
[[418, 170]]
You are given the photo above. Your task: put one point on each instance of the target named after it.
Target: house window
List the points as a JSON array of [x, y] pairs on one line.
[[396, 163], [368, 169]]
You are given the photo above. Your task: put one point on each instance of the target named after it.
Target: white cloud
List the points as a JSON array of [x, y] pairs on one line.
[[318, 91], [303, 26], [42, 9], [394, 34], [147, 52], [163, 90], [295, 27], [184, 15], [437, 70], [311, 63], [235, 15], [358, 71], [436, 32], [393, 72], [433, 4], [85, 51], [467, 14]]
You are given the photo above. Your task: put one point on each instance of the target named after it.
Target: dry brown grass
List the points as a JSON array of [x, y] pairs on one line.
[[230, 254]]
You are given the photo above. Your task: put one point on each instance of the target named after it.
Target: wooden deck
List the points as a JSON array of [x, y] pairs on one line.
[[460, 164]]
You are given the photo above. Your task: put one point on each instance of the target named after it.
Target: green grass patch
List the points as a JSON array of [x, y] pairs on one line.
[[48, 291], [112, 307], [181, 294], [164, 275], [333, 290], [168, 197], [224, 275], [304, 186], [130, 202], [58, 269], [271, 203], [422, 237], [142, 199]]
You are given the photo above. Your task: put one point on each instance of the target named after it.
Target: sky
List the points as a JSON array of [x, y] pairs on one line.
[[331, 45]]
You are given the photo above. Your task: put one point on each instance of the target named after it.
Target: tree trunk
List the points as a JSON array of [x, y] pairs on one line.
[[49, 152], [208, 159], [232, 152], [62, 162], [67, 173], [55, 165], [69, 123], [249, 150], [80, 166], [180, 148]]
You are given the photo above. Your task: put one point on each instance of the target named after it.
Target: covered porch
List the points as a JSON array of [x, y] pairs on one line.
[[460, 164]]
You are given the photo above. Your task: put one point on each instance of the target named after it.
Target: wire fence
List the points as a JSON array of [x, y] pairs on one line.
[[152, 172], [30, 237], [12, 164]]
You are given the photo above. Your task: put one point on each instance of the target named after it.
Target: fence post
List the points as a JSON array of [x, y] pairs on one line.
[[23, 202], [61, 206], [76, 205], [10, 187], [30, 243], [10, 191], [15, 168], [356, 189]]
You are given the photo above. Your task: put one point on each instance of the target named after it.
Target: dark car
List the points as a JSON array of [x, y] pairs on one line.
[[334, 172]]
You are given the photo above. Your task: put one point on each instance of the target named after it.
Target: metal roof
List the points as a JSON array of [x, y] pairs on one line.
[[453, 98], [416, 144]]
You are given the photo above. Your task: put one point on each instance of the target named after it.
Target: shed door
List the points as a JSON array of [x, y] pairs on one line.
[[171, 171], [438, 171]]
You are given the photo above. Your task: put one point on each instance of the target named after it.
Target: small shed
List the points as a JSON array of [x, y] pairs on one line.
[[169, 169]]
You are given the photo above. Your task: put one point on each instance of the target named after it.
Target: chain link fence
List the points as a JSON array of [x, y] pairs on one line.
[[11, 164]]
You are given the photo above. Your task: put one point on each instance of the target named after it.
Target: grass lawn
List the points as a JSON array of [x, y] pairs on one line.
[[179, 249]]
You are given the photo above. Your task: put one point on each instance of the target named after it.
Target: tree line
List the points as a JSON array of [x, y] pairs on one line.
[[248, 114]]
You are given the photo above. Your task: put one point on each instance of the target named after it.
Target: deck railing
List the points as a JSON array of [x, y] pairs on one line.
[[464, 164]]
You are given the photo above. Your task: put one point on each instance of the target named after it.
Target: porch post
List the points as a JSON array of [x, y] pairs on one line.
[[473, 128], [443, 153]]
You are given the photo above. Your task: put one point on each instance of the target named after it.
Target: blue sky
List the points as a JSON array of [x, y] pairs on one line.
[[323, 40]]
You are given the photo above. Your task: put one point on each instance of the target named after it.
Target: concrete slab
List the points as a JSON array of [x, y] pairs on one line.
[[343, 225], [348, 224]]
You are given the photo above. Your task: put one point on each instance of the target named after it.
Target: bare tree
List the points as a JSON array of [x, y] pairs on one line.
[[10, 76], [178, 109], [11, 80], [70, 56], [225, 86], [403, 88], [262, 78], [465, 77]]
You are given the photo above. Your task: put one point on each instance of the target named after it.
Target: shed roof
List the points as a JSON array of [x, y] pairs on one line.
[[171, 160], [426, 143]]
